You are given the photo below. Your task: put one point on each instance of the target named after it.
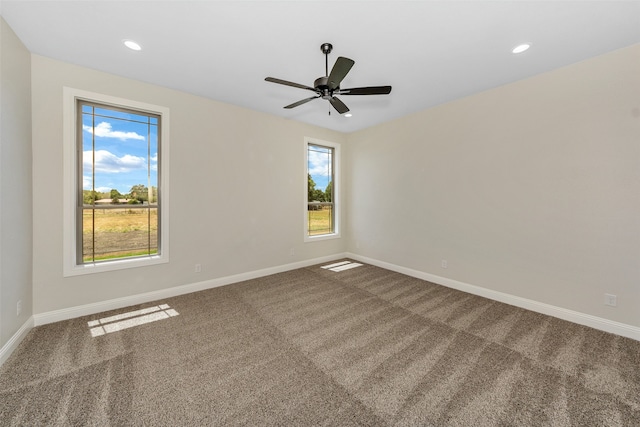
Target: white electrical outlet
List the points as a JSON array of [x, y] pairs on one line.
[[19, 308], [444, 263], [610, 299], [198, 268]]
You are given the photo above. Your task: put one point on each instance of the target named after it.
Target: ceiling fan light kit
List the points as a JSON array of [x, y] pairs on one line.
[[328, 86]]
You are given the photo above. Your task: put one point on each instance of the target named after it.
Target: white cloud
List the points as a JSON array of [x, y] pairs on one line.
[[86, 185], [319, 164], [108, 162], [105, 130]]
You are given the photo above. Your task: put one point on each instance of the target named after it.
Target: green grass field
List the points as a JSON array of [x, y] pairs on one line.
[[320, 222], [119, 233], [119, 220]]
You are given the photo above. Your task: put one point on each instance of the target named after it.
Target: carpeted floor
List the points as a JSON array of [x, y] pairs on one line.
[[364, 346]]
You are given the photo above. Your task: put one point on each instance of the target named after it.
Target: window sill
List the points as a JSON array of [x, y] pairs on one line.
[[102, 267], [321, 237]]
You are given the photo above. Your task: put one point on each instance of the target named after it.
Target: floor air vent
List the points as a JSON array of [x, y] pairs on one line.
[[341, 266]]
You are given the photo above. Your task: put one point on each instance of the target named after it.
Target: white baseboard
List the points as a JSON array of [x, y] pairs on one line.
[[99, 307], [595, 322], [15, 340]]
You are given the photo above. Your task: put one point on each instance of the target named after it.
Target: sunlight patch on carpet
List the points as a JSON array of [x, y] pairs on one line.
[[127, 320], [341, 266]]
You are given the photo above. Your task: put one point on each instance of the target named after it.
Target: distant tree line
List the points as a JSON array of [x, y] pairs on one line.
[[138, 194], [316, 195]]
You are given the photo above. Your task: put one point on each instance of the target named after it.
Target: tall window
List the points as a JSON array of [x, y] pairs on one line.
[[120, 192], [322, 189], [118, 202]]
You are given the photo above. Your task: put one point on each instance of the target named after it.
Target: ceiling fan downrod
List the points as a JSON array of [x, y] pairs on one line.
[[326, 48]]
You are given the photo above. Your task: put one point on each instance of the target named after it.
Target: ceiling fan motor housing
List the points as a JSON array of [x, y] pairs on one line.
[[321, 85]]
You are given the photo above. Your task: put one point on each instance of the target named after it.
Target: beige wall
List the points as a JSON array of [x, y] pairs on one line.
[[236, 187], [532, 189], [15, 183]]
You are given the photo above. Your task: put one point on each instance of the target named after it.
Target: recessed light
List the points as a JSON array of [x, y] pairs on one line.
[[348, 114], [521, 48], [132, 45]]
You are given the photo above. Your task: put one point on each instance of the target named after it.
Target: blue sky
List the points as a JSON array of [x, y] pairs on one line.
[[126, 146], [320, 166]]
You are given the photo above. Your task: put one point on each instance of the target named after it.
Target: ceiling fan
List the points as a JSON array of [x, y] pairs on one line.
[[328, 86]]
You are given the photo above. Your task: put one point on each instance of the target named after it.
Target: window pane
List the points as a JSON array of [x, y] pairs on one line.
[[119, 184], [120, 233], [320, 193], [320, 220]]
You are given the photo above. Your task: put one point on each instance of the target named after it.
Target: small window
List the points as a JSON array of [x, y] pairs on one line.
[[321, 206], [119, 187]]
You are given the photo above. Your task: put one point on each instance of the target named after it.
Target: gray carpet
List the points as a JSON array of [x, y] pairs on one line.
[[364, 346]]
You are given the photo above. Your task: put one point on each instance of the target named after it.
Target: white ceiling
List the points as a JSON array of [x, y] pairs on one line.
[[431, 52]]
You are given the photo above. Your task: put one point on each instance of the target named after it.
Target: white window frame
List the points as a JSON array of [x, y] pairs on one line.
[[70, 179], [335, 191]]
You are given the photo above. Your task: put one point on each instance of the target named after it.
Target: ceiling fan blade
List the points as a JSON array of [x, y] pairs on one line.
[[302, 101], [338, 105], [339, 71], [287, 83], [371, 90]]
